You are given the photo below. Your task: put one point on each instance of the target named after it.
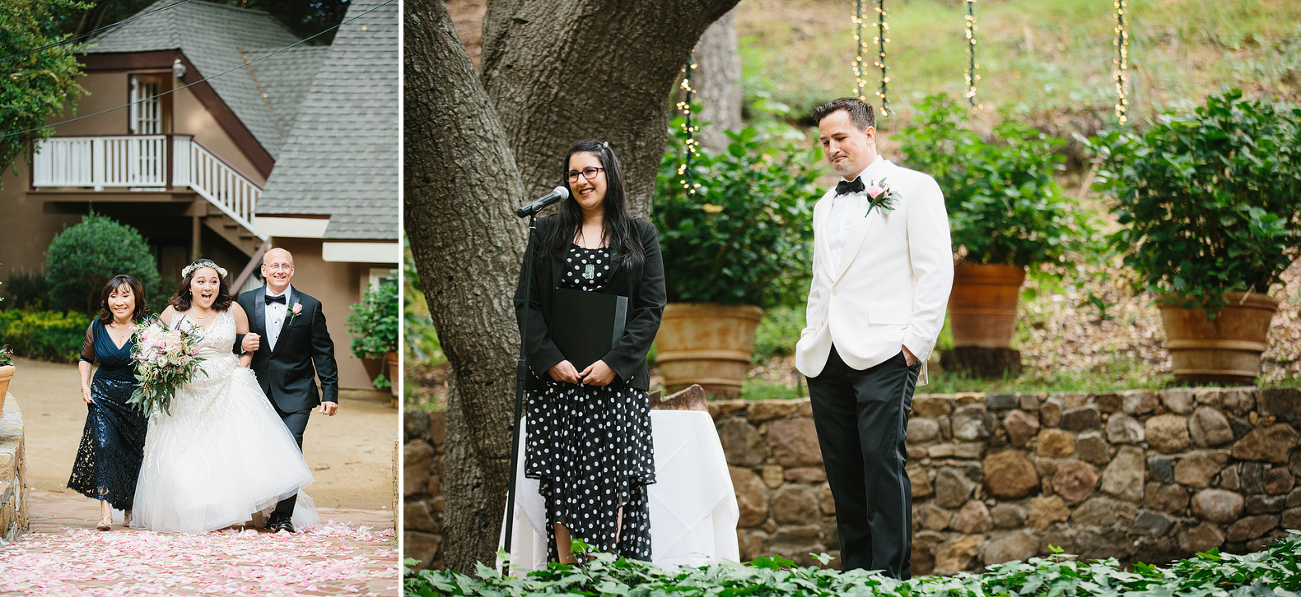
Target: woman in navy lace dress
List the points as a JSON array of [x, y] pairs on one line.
[[112, 444], [589, 431]]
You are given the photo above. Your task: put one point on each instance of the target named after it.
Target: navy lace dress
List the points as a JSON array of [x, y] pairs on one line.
[[590, 447], [112, 445]]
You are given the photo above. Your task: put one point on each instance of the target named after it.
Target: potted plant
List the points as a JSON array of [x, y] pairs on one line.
[[1006, 213], [735, 240], [374, 327], [1211, 208], [6, 374]]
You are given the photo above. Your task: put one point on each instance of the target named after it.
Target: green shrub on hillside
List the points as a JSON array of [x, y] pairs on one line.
[[44, 335], [82, 258]]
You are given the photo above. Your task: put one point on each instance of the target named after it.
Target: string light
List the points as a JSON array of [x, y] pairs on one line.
[[880, 39], [1121, 62], [692, 145], [972, 77]]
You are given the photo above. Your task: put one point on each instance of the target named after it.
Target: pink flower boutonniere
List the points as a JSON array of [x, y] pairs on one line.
[[881, 197], [295, 312]]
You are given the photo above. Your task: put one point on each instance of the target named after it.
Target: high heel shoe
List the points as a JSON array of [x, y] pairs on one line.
[[105, 523], [126, 519]]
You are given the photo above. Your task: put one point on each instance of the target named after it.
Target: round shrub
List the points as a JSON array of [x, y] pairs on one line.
[[82, 258]]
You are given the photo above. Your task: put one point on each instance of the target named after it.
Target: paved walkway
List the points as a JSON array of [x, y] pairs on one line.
[[353, 552]]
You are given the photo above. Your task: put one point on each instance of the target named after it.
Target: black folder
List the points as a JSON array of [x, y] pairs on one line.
[[586, 325]]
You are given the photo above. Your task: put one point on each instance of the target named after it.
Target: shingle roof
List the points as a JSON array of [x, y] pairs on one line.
[[212, 37], [341, 158], [285, 79]]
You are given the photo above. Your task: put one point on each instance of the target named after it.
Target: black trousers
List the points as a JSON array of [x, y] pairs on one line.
[[862, 420], [297, 423]]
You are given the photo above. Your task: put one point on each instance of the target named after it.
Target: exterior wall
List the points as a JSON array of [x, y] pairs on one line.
[[1141, 476], [14, 516]]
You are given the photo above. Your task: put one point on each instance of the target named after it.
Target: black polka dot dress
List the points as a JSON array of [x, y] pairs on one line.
[[590, 447]]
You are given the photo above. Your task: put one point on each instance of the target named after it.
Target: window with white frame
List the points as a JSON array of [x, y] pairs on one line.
[[146, 107]]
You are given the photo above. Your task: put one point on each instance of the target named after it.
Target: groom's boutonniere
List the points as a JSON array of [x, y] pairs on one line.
[[295, 312], [881, 197]]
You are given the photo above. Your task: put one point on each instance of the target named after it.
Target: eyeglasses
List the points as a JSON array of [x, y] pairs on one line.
[[589, 173], [276, 266]]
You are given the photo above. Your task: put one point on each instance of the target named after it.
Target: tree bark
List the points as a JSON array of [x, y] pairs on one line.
[[553, 72], [461, 180], [717, 82]]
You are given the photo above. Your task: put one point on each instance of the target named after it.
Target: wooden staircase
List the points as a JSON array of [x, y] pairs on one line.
[[232, 231]]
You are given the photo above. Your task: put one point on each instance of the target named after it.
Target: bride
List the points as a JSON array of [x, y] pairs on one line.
[[223, 453]]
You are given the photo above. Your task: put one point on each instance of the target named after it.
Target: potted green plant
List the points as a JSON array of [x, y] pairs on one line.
[[6, 374], [1211, 208], [1006, 211], [735, 239], [374, 326]]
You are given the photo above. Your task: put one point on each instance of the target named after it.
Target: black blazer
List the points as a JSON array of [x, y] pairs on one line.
[[286, 374], [643, 284]]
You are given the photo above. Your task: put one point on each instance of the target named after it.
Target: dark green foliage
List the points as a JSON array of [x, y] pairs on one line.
[[744, 237], [25, 291], [36, 84], [6, 355], [1210, 202], [44, 335], [1004, 204], [374, 324], [777, 333], [1273, 572], [81, 259]]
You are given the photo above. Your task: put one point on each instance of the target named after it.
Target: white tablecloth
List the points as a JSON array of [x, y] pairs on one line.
[[693, 511]]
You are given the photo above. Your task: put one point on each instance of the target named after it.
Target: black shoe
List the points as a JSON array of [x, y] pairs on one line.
[[273, 522], [284, 524]]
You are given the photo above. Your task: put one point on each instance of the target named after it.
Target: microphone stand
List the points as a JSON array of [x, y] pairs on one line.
[[521, 376]]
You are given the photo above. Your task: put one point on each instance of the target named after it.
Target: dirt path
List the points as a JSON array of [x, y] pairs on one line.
[[350, 454]]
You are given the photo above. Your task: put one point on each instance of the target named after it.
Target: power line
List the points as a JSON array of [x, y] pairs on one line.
[[85, 35], [245, 65]]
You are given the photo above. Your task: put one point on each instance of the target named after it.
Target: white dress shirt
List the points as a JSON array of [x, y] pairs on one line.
[[275, 315], [847, 209]]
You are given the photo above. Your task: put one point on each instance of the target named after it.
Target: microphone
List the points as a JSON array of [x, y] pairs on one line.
[[555, 195]]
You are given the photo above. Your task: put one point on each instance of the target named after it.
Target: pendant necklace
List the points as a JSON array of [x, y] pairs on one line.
[[589, 272]]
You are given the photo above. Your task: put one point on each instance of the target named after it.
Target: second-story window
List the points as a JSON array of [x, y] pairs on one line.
[[146, 109]]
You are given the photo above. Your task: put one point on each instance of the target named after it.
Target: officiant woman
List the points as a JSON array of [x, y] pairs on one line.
[[589, 435], [112, 445]]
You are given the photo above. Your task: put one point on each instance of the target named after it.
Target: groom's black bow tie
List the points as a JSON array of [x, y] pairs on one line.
[[846, 187], [276, 299]]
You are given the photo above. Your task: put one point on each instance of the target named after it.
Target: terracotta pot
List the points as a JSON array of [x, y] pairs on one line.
[[982, 306], [706, 344], [391, 371], [1225, 349], [6, 374]]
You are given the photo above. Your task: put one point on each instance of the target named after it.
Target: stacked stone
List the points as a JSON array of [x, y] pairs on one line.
[[14, 517], [423, 452]]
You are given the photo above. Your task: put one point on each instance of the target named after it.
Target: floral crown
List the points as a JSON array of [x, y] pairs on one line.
[[189, 269]]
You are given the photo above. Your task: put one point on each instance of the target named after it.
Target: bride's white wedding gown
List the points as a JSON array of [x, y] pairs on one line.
[[223, 452]]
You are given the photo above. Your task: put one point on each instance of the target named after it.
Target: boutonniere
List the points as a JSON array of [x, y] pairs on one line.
[[295, 312], [881, 197]]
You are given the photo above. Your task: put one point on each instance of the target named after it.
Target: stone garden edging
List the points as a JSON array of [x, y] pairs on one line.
[[14, 516]]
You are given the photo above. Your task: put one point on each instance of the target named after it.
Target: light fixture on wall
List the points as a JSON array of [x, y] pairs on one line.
[[178, 69]]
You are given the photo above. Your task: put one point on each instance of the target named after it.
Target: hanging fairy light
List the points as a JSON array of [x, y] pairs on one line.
[[1121, 62], [972, 77], [860, 74], [692, 145]]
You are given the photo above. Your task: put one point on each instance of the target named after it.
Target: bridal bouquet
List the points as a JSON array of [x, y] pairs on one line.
[[164, 361]]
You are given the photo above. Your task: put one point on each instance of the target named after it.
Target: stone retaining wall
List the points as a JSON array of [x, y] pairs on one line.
[[14, 518], [1149, 476]]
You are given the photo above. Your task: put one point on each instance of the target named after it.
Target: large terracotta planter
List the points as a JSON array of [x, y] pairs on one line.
[[982, 306], [6, 374], [706, 344], [391, 371], [1225, 349]]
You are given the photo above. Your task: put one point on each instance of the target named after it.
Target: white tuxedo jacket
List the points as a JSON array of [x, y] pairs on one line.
[[891, 284]]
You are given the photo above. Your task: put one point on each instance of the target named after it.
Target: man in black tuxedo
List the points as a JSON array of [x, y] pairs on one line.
[[296, 338]]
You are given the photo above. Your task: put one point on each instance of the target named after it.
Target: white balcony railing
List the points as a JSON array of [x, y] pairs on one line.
[[141, 162]]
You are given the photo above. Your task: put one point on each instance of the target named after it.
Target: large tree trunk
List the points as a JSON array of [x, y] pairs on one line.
[[556, 71], [717, 82]]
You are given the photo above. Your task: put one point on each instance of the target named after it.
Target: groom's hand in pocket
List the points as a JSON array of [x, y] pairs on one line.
[[251, 342]]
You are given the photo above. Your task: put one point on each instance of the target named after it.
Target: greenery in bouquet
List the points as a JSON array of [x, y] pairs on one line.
[[1210, 201], [1004, 204], [165, 360], [744, 236], [374, 324]]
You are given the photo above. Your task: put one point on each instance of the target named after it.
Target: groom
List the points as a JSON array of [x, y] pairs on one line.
[[296, 339], [882, 270]]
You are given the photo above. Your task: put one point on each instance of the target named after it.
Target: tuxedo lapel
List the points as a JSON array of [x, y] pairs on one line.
[[820, 236], [857, 233], [259, 322]]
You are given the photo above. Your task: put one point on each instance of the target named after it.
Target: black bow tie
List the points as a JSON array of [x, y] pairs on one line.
[[846, 187], [276, 299]]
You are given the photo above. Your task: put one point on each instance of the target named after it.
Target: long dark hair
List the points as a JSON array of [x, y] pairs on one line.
[[618, 228], [137, 292], [180, 300]]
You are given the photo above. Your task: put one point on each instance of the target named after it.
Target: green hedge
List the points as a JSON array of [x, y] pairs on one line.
[[1273, 572], [44, 335]]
